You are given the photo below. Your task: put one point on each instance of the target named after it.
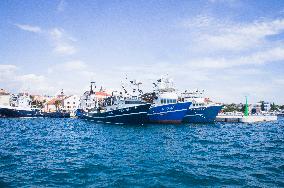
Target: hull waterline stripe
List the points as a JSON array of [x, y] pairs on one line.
[[194, 115], [167, 112], [126, 114], [115, 115]]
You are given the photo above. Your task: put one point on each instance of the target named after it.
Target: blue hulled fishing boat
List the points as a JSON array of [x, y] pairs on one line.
[[202, 109], [166, 107]]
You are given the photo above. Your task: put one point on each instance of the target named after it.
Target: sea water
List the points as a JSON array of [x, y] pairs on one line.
[[42, 152]]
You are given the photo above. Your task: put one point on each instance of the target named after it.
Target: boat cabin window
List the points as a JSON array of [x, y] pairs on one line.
[[133, 102], [168, 101], [134, 97]]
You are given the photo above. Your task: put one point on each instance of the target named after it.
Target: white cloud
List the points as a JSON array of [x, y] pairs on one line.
[[64, 49], [257, 58], [279, 81], [6, 71], [215, 34], [221, 43], [74, 76], [30, 78], [62, 42], [34, 83], [7, 68], [11, 77], [75, 65], [30, 28], [61, 5]]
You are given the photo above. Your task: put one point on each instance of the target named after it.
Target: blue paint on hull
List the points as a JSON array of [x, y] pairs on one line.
[[168, 113], [14, 113], [202, 114], [79, 113], [129, 115]]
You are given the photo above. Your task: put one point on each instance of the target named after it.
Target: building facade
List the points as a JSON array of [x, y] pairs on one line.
[[71, 103], [4, 97]]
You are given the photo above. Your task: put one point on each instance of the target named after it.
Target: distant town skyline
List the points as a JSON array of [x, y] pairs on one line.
[[231, 49]]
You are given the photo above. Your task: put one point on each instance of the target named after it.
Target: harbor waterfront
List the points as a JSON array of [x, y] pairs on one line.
[[136, 94], [56, 152]]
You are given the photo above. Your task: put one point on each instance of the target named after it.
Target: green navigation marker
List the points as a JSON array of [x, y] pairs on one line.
[[246, 107]]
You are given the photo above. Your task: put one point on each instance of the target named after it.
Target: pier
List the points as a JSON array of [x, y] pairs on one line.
[[245, 119]]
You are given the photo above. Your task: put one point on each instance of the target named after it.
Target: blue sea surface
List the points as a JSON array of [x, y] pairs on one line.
[[44, 152]]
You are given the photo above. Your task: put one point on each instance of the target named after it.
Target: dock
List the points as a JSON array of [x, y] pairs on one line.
[[245, 119]]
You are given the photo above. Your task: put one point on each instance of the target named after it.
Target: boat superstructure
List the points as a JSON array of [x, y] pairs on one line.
[[202, 110], [20, 106], [166, 107], [88, 101]]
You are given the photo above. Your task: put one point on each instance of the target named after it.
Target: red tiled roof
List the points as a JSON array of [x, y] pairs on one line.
[[100, 93]]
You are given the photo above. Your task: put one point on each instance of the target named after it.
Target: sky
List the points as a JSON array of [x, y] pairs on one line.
[[231, 49]]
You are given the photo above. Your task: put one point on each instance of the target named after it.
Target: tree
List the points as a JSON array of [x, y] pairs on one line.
[[273, 107], [243, 108], [57, 104], [231, 108], [262, 106]]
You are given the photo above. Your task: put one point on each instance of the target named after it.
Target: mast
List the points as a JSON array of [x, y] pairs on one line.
[[91, 90]]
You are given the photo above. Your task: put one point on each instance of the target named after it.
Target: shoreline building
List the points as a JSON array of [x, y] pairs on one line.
[[261, 106], [71, 103], [4, 97], [55, 103], [91, 99]]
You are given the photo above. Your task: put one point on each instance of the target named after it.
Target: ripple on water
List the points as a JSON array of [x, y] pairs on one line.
[[72, 152]]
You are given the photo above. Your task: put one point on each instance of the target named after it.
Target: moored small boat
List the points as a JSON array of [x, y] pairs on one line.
[[8, 111], [20, 106], [202, 109]]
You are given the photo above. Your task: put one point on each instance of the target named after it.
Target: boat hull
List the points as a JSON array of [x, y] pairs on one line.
[[168, 113], [56, 115], [129, 115], [14, 113], [202, 114]]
